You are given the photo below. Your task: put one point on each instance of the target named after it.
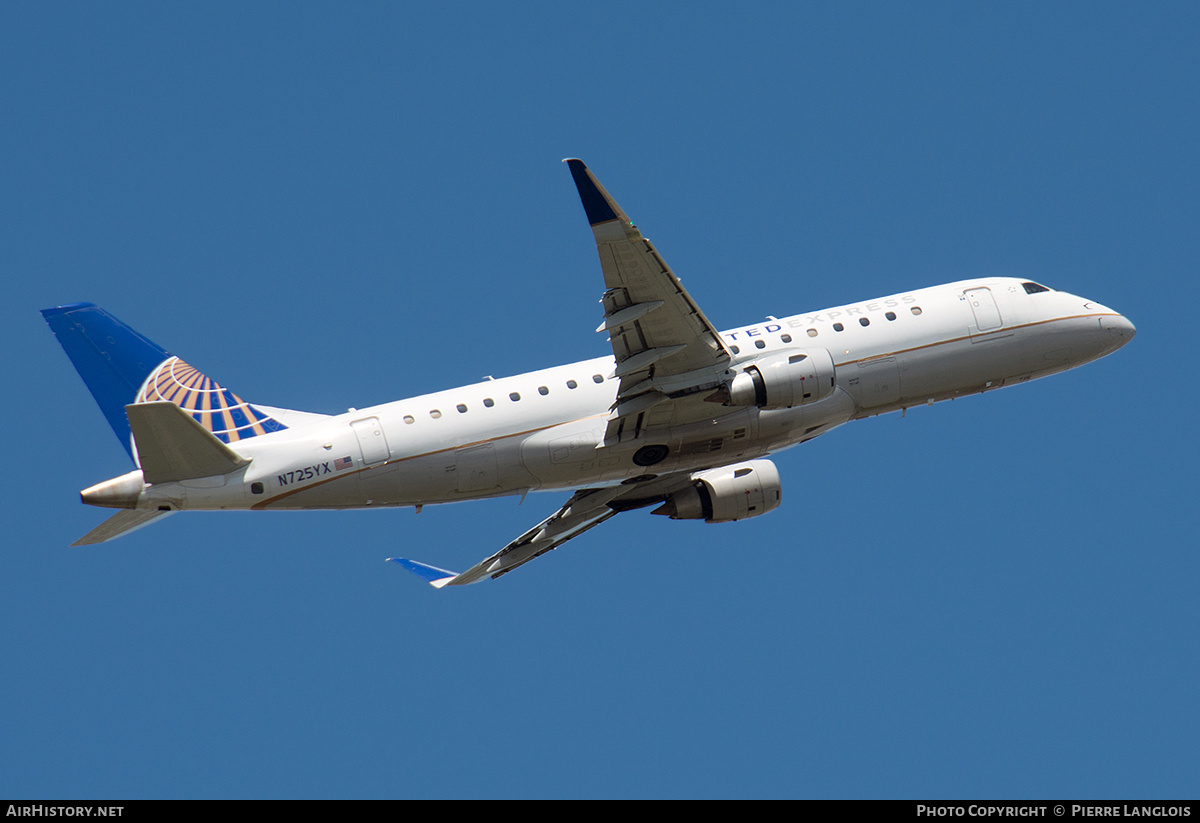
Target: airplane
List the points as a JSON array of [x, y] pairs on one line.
[[680, 416]]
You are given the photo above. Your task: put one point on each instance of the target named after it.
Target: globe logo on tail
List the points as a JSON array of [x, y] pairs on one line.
[[212, 406]]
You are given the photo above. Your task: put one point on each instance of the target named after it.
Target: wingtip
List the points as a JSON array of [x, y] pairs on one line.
[[430, 574], [596, 203], [66, 308]]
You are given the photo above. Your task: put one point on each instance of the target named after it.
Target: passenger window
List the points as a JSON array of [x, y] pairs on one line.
[[762, 344], [596, 378], [515, 396], [571, 384], [408, 418], [838, 327], [890, 315], [462, 408], [787, 338], [543, 391], [863, 321], [489, 402], [735, 350], [916, 310], [812, 332], [435, 414]]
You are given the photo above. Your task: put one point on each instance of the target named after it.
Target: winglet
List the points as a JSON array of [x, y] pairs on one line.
[[430, 574], [597, 203]]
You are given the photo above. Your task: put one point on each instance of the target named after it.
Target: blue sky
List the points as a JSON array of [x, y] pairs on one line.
[[327, 207]]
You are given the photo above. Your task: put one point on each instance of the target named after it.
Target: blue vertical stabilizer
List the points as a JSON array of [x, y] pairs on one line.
[[122, 368], [113, 359]]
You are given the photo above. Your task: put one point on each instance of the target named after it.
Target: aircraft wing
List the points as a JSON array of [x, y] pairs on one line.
[[586, 509], [666, 349]]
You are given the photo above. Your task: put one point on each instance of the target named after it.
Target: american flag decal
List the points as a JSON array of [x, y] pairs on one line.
[[343, 463]]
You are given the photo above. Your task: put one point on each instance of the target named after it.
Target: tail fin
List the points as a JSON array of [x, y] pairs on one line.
[[121, 367]]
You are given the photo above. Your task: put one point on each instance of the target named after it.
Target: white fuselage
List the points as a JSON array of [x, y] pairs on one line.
[[546, 429]]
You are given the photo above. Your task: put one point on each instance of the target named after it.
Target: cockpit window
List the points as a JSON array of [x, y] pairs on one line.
[[1033, 288]]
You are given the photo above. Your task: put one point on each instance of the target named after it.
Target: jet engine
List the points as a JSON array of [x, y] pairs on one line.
[[783, 380], [727, 494]]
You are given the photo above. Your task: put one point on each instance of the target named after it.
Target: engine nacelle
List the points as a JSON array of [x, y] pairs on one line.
[[784, 379], [726, 494]]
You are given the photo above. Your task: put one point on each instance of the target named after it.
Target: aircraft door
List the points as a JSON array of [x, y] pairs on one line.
[[983, 306], [371, 440]]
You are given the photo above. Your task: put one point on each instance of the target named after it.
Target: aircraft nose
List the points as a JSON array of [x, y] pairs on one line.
[[1120, 325], [1119, 329]]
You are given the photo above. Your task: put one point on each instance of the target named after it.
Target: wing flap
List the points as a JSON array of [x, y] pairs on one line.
[[623, 317]]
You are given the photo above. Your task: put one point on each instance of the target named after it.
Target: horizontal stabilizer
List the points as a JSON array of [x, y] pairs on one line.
[[123, 522], [430, 574], [171, 445]]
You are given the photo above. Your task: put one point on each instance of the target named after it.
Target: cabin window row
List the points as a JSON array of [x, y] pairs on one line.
[[866, 321], [862, 321], [489, 402]]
